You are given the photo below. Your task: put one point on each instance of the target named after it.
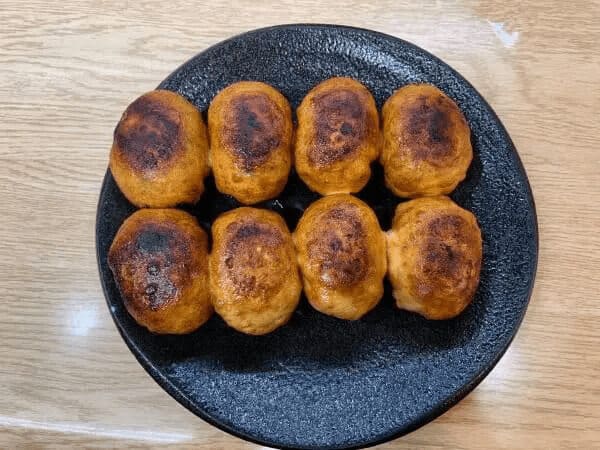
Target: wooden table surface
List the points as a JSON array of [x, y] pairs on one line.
[[68, 69]]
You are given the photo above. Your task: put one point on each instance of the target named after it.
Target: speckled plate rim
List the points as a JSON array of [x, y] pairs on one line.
[[419, 421]]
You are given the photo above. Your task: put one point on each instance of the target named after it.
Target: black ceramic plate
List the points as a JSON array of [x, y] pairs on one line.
[[319, 382]]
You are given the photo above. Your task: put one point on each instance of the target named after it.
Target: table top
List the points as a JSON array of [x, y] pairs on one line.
[[67, 71]]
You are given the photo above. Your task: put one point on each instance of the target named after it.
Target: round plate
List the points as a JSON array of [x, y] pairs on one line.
[[320, 382]]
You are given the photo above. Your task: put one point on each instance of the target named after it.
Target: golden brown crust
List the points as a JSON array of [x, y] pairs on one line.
[[337, 136], [341, 253], [250, 127], [255, 283], [159, 258], [434, 257], [159, 156], [426, 142]]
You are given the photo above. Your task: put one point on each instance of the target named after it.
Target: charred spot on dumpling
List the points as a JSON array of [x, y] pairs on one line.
[[149, 134], [442, 259], [340, 127], [253, 129], [444, 255], [148, 265], [429, 128], [251, 229], [153, 241], [252, 249], [447, 226], [339, 247]]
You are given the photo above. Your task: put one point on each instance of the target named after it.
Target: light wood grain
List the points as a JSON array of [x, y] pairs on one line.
[[68, 69]]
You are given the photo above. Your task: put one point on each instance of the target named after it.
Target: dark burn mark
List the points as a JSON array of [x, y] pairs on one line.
[[443, 252], [148, 267], [336, 244], [438, 124], [430, 128], [251, 120], [346, 129], [449, 252], [149, 134], [339, 248], [447, 226], [340, 126], [153, 241], [249, 270], [441, 261], [249, 230], [253, 130]]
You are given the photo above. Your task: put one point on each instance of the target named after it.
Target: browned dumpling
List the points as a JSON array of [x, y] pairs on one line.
[[434, 257], [255, 284], [426, 142], [159, 258], [337, 136], [341, 253], [159, 156], [250, 127]]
